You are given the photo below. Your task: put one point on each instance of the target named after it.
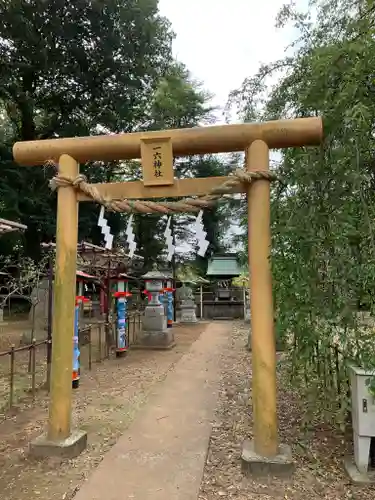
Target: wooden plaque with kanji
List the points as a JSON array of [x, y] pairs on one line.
[[157, 162]]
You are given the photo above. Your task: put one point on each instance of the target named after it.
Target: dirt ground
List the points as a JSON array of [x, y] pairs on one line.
[[11, 332], [319, 456], [115, 390], [26, 379], [107, 401]]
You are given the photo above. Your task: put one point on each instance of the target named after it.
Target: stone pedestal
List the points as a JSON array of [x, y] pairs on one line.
[[188, 314], [155, 334], [155, 340], [154, 318], [69, 448], [256, 465]]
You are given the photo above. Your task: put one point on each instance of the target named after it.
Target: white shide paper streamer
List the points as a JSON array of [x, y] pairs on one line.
[[169, 240], [130, 236], [201, 235], [106, 230]]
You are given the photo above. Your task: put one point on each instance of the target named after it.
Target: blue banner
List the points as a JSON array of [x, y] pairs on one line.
[[122, 342], [76, 352], [170, 309]]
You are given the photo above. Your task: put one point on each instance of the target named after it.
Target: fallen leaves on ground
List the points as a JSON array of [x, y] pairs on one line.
[[319, 472], [107, 401]]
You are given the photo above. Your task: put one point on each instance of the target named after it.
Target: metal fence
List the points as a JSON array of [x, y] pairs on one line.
[[25, 370], [134, 327], [23, 377], [320, 371], [327, 364]]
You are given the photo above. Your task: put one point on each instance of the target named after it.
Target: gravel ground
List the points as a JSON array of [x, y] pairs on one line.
[[107, 401], [318, 456], [110, 397]]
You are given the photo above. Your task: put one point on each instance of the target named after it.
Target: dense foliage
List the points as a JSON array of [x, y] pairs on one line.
[[323, 253], [180, 102], [74, 68]]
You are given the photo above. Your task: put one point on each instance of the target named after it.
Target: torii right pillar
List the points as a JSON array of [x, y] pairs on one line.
[[264, 455]]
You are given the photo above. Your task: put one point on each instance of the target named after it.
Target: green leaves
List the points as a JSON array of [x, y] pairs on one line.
[[323, 255], [69, 69], [79, 68], [180, 102]]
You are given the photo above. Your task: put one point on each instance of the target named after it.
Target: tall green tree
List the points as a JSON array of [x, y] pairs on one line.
[[179, 102], [322, 221], [72, 68]]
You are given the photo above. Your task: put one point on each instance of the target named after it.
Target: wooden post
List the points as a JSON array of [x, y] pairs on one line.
[[201, 301], [262, 319], [59, 423], [244, 300]]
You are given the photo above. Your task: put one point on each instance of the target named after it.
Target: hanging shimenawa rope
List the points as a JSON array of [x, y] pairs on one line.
[[80, 183]]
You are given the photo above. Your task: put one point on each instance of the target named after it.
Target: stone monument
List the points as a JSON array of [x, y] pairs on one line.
[[39, 296], [155, 334], [38, 313], [186, 298]]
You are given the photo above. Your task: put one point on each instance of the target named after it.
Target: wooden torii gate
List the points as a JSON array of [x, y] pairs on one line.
[[157, 149]]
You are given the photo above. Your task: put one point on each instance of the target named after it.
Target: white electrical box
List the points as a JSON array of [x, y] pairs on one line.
[[363, 403], [363, 415]]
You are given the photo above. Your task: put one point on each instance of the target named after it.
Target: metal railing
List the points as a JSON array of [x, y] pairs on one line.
[[25, 370], [29, 377], [133, 327]]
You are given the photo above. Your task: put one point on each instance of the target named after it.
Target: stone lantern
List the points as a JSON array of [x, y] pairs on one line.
[[154, 281], [155, 333]]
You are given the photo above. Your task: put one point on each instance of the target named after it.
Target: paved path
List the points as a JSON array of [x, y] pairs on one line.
[[162, 454]]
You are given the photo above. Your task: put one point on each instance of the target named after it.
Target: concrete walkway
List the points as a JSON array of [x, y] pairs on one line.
[[163, 453]]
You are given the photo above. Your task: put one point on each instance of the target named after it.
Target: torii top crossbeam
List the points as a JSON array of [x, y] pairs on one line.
[[174, 143], [188, 141]]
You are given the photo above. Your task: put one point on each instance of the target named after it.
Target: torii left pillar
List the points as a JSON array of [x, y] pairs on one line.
[[60, 439]]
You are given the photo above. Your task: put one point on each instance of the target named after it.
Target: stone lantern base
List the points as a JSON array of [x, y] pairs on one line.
[[155, 340], [155, 334]]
